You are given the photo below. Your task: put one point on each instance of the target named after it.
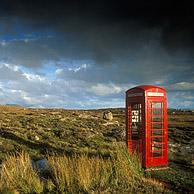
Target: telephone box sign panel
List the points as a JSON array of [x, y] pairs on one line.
[[135, 94], [146, 124], [155, 94], [135, 116]]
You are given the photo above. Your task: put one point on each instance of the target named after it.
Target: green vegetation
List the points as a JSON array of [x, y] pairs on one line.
[[121, 173], [66, 137], [41, 131], [18, 175], [178, 179]]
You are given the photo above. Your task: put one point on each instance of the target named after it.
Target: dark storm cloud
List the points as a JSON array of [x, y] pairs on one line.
[[143, 40], [104, 29]]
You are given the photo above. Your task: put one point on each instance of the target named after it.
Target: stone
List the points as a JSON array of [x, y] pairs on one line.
[[36, 138], [63, 119], [84, 116], [55, 113], [108, 116], [117, 123], [111, 123]]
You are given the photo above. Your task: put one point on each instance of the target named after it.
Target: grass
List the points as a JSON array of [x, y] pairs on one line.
[[61, 172], [80, 173], [122, 173], [177, 179], [78, 133], [17, 174]]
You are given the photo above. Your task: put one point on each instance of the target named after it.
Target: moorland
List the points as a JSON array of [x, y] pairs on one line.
[[85, 153]]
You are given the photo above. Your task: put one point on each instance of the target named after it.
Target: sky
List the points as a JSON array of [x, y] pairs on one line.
[[81, 54]]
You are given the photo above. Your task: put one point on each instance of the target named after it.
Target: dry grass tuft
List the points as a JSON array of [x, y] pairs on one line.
[[17, 174], [80, 173], [93, 173], [61, 170], [122, 173]]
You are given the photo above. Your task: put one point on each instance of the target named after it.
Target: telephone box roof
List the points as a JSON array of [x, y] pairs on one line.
[[146, 87]]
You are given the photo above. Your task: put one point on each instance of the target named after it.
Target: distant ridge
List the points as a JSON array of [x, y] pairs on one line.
[[16, 105]]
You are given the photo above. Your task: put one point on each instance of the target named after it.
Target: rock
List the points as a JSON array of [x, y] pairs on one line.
[[55, 113], [63, 119], [185, 150], [111, 123], [174, 145], [84, 116], [75, 114], [172, 150], [117, 123], [108, 116], [36, 138]]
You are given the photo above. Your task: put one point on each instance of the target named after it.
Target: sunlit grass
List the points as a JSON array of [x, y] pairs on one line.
[[120, 173], [80, 173], [61, 171], [18, 174]]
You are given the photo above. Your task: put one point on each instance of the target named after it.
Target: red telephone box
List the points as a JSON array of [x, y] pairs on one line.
[[146, 124]]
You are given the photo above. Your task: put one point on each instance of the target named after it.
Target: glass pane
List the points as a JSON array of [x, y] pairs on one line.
[[157, 126], [156, 104], [156, 150], [156, 118], [156, 139], [157, 129], [156, 147], [157, 111], [157, 132]]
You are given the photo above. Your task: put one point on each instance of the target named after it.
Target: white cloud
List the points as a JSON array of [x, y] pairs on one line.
[[59, 72], [55, 88], [10, 66], [182, 86], [3, 43], [34, 90], [81, 67], [186, 104], [9, 72], [33, 77], [105, 89]]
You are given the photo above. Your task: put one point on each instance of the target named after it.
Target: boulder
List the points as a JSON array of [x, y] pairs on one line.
[[36, 138], [108, 116]]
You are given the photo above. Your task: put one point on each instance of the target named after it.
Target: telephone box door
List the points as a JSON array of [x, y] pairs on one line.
[[156, 133], [135, 127]]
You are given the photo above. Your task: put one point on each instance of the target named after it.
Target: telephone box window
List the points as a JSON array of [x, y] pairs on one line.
[[157, 125], [157, 105], [156, 129], [157, 132], [156, 118]]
